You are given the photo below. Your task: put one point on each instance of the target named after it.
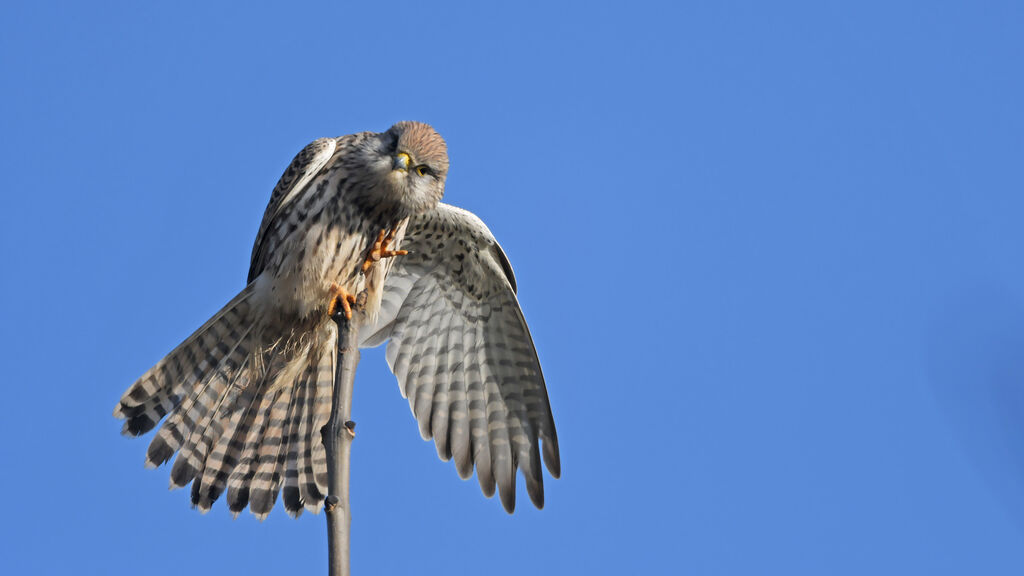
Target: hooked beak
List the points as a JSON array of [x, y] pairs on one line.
[[401, 162]]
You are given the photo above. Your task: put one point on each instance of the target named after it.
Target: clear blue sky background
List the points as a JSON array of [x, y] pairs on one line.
[[770, 254]]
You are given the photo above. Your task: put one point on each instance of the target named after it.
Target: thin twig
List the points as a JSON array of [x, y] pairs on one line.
[[337, 437]]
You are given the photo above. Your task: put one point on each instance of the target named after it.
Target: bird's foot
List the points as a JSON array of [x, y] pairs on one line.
[[381, 250], [340, 296]]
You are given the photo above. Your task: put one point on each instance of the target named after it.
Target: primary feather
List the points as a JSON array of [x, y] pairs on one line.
[[463, 356]]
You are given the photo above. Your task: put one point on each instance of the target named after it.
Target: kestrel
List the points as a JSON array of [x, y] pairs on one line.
[[245, 395]]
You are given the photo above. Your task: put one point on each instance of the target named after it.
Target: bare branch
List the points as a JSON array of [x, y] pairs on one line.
[[337, 437]]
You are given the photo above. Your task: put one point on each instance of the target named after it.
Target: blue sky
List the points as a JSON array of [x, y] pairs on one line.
[[770, 254]]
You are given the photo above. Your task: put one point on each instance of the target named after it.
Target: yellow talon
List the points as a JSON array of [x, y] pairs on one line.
[[380, 249], [339, 294]]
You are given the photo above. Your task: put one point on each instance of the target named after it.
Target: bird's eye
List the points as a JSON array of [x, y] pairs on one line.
[[423, 170]]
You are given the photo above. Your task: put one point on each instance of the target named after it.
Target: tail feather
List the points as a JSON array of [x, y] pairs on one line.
[[309, 492], [163, 386], [221, 444], [240, 476], [228, 446], [265, 431], [294, 443], [304, 478], [210, 423], [242, 415], [265, 470], [184, 419], [321, 412]]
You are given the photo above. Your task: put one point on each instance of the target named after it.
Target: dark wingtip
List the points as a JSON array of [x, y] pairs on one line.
[[551, 460], [535, 488], [487, 488], [508, 497], [465, 470]]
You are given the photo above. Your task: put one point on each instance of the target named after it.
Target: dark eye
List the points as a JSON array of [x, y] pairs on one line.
[[424, 170]]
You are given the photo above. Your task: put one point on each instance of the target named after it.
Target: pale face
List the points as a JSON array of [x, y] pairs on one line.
[[411, 162]]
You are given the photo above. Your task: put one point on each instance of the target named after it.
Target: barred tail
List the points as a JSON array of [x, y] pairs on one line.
[[203, 363], [242, 414]]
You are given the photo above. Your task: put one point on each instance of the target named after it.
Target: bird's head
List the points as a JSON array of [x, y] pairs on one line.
[[410, 164]]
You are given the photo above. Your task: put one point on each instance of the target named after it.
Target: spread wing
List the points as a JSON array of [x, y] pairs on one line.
[[304, 167], [463, 354]]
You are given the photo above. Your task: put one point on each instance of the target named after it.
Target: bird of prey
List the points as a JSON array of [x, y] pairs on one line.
[[246, 395]]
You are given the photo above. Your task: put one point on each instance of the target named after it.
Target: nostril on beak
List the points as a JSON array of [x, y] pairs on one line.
[[401, 162]]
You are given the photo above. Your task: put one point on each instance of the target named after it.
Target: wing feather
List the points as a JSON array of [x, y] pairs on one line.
[[463, 356], [439, 402], [306, 165]]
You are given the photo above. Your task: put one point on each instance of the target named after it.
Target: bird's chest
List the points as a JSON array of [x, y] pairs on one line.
[[328, 254]]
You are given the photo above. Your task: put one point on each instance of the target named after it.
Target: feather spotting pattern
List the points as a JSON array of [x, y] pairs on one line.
[[463, 355]]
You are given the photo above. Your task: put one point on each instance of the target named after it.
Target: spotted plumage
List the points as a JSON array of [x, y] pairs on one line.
[[463, 355], [243, 399]]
